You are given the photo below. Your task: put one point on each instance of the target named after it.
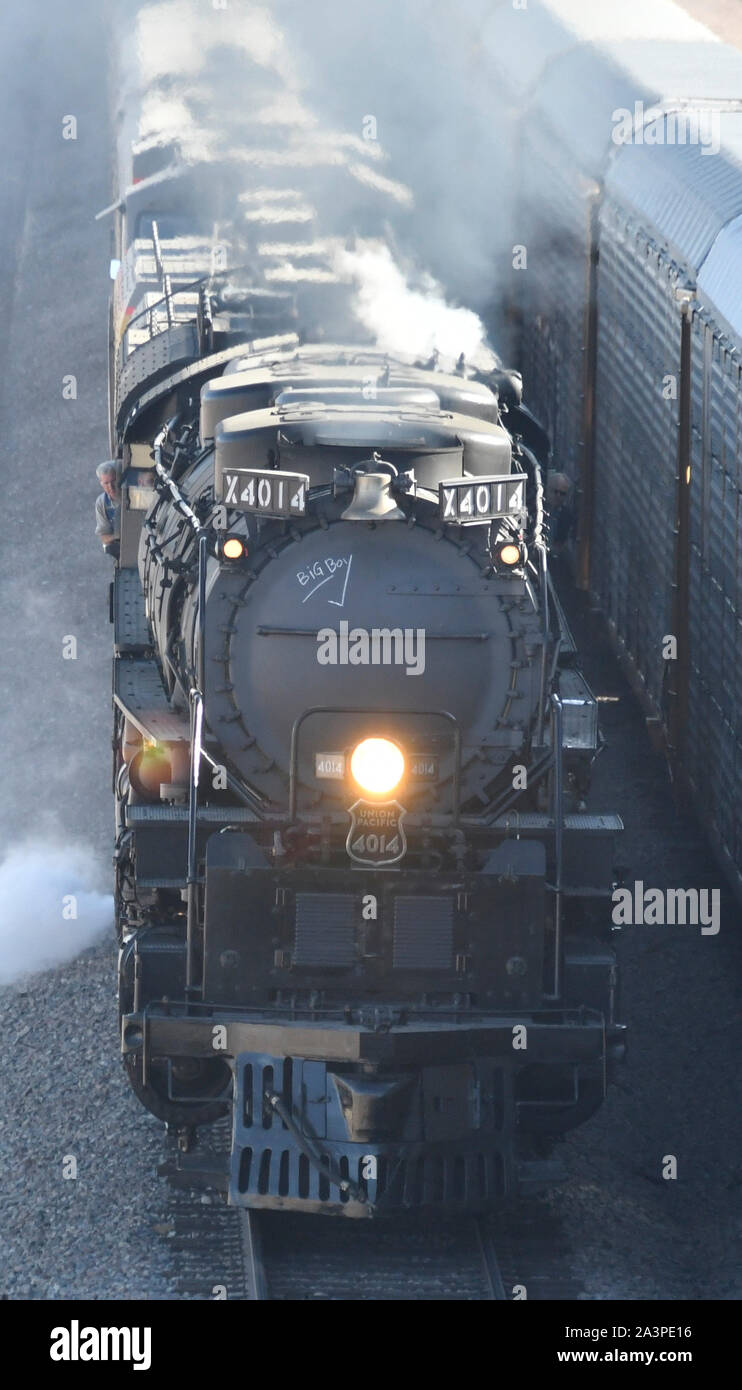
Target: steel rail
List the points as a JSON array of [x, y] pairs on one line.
[[256, 1280], [493, 1277]]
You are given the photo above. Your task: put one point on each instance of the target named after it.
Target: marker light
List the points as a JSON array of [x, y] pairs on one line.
[[377, 765], [233, 548], [509, 555]]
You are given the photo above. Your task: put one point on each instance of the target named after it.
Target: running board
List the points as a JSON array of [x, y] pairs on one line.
[[582, 822], [139, 694]]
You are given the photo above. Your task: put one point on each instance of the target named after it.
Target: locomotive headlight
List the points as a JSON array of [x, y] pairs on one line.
[[377, 765], [509, 555], [232, 548]]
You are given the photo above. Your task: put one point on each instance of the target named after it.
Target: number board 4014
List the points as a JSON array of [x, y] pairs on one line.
[[466, 500], [270, 493]]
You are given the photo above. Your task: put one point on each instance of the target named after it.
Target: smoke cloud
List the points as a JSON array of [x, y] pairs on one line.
[[50, 909], [408, 318], [390, 155], [426, 72]]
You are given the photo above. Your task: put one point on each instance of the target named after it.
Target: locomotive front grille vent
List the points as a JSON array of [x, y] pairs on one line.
[[326, 926], [423, 933], [325, 929]]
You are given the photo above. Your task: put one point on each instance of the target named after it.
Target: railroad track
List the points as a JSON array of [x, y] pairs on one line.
[[219, 1252], [290, 1258], [239, 1254]]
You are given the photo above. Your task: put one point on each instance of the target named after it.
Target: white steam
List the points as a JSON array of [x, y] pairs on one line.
[[285, 93], [179, 36], [50, 909], [409, 319]]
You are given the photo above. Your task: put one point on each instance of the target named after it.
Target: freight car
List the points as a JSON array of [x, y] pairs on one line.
[[627, 191]]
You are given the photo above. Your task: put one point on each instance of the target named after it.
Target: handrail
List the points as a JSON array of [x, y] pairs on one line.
[[196, 284], [167, 288], [197, 719], [558, 813], [541, 548]]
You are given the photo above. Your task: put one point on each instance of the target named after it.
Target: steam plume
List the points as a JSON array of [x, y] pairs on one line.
[[409, 319], [50, 910]]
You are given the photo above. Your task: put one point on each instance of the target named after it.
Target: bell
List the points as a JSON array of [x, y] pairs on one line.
[[372, 500]]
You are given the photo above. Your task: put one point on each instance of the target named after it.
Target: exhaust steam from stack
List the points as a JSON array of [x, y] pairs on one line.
[[280, 89], [410, 317]]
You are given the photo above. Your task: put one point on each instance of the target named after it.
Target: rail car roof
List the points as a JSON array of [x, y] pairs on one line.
[[581, 63], [580, 97], [719, 276], [580, 66], [606, 31], [686, 191]]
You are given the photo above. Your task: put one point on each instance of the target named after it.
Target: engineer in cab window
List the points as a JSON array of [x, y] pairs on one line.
[[108, 509]]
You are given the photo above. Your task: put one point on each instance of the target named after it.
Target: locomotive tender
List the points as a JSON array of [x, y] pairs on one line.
[[361, 905]]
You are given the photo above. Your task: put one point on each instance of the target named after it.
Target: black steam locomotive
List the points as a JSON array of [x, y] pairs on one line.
[[362, 908]]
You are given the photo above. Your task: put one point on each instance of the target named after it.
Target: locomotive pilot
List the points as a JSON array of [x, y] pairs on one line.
[[108, 509]]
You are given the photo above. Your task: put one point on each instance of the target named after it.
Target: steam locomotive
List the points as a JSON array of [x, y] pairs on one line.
[[362, 908]]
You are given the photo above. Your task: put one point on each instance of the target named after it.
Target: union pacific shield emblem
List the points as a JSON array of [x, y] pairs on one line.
[[376, 836]]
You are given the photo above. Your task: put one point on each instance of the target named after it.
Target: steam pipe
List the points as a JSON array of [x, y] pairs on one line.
[[179, 501]]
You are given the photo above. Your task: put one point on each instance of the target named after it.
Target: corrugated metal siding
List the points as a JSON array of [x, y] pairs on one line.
[[636, 444], [713, 738], [671, 214], [565, 144], [553, 225]]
